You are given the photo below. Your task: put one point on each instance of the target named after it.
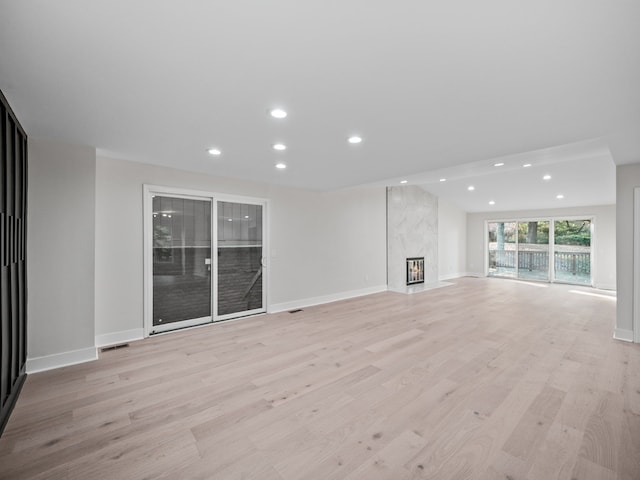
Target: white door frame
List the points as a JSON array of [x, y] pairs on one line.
[[636, 265], [265, 235], [148, 192], [552, 220]]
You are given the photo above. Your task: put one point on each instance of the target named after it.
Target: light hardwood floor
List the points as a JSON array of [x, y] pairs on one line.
[[484, 379]]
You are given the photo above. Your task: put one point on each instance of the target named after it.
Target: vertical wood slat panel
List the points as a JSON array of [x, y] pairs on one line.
[[13, 211]]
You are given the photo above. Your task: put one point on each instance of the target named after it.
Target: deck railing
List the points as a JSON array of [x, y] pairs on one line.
[[575, 263]]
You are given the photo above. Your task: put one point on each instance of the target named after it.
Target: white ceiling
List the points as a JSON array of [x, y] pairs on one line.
[[442, 87]]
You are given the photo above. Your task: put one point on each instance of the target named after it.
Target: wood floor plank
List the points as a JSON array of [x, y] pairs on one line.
[[484, 379]]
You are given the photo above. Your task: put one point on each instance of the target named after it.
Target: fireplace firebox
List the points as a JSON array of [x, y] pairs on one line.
[[415, 270]]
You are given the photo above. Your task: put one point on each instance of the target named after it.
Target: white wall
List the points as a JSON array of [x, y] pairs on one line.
[[604, 241], [452, 241], [323, 246], [628, 177], [60, 249]]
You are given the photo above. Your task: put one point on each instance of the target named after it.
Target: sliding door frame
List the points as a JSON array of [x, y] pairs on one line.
[[265, 270], [551, 220], [148, 192]]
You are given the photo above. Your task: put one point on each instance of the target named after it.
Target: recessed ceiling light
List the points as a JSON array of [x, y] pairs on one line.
[[229, 219], [279, 146], [403, 181], [246, 216], [471, 188], [214, 151], [500, 164], [278, 113], [281, 165], [526, 165], [443, 179], [355, 139], [560, 197], [491, 202], [547, 177]]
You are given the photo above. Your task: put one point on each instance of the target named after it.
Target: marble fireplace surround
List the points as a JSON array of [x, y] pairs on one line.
[[412, 231]]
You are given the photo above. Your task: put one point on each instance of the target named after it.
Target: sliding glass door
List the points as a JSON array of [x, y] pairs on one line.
[[240, 259], [572, 245], [533, 250], [181, 262], [545, 250], [204, 258], [502, 249]]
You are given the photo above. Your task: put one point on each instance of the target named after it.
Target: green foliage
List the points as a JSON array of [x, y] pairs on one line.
[[573, 232], [541, 235], [567, 232]]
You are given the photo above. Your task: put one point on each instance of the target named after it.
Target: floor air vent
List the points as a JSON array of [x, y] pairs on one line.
[[114, 347]]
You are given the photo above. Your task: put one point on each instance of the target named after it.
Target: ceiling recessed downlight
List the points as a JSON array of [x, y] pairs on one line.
[[279, 146], [526, 165], [443, 179], [281, 165], [403, 181], [547, 177], [471, 188], [355, 139], [499, 164], [214, 151], [491, 202], [560, 196], [278, 113]]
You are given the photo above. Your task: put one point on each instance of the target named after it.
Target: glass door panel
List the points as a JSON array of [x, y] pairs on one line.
[[502, 249], [181, 262], [572, 257], [239, 264], [533, 250]]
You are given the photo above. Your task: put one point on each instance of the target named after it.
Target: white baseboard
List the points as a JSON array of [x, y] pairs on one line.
[[119, 337], [605, 286], [623, 334], [58, 360], [309, 302]]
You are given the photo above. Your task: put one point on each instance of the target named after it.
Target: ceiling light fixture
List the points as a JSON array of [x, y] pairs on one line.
[[547, 177], [560, 196], [491, 202], [214, 151], [526, 165], [278, 113], [355, 139], [443, 179], [403, 181], [500, 164], [471, 188], [279, 146], [281, 165]]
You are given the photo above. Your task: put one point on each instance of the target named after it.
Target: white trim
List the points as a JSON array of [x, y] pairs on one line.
[[334, 297], [59, 360], [605, 286], [636, 266], [623, 334], [169, 327], [115, 338]]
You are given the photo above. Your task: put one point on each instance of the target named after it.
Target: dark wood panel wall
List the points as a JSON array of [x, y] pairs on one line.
[[13, 249]]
